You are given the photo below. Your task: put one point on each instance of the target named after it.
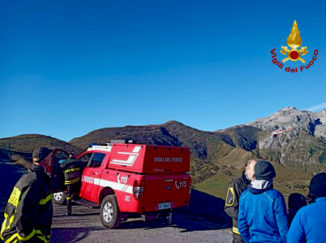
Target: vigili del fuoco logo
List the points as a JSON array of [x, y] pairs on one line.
[[294, 52]]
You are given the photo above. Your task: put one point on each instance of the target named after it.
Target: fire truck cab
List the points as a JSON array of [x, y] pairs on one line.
[[126, 179]]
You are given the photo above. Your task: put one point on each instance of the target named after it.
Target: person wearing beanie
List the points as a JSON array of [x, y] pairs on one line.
[[235, 188], [28, 214], [262, 211], [309, 223]]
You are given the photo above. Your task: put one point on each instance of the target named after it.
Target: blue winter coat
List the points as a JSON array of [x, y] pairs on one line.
[[262, 217], [309, 224]]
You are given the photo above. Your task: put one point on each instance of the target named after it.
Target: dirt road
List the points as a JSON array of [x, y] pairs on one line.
[[85, 226]]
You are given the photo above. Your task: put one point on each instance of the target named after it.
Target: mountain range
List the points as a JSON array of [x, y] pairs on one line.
[[291, 138]]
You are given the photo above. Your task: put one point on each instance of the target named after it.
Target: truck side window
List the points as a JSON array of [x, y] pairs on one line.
[[96, 160], [85, 158]]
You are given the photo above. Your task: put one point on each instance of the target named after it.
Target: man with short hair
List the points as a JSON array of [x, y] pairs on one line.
[[309, 223], [235, 188], [28, 214], [262, 211]]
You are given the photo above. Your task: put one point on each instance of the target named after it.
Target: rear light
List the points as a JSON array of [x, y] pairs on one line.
[[139, 189]]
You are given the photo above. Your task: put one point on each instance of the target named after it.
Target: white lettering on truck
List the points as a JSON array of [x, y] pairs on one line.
[[122, 179], [168, 159], [88, 179], [180, 184]]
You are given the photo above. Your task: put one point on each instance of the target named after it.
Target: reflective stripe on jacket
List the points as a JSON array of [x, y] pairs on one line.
[[72, 170], [231, 207], [28, 214]]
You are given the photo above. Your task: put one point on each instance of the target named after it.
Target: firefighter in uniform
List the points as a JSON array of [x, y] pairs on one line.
[[235, 188], [72, 169], [28, 214]]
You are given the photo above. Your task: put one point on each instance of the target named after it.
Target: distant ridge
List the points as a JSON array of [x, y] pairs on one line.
[[28, 142], [302, 146]]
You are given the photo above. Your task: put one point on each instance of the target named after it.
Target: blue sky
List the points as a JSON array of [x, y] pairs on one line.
[[69, 67]]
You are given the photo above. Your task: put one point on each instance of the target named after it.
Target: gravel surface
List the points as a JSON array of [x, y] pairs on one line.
[[85, 226]]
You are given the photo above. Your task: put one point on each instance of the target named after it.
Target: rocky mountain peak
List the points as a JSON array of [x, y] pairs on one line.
[[290, 117], [289, 108]]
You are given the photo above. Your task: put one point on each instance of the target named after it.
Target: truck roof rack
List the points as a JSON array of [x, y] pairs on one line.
[[104, 147], [117, 141]]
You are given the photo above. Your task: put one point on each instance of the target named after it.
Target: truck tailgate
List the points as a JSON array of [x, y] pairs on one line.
[[166, 191]]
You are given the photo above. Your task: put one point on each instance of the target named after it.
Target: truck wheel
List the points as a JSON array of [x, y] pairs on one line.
[[59, 198], [110, 215]]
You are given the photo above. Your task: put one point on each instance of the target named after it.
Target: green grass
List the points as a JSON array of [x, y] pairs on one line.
[[287, 181], [215, 186]]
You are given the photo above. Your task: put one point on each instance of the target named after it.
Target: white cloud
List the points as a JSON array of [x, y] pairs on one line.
[[317, 107]]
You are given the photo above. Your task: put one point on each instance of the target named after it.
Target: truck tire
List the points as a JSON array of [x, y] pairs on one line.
[[59, 198], [110, 215]]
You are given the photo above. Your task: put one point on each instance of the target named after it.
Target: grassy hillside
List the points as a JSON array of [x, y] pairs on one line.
[[287, 181], [28, 142]]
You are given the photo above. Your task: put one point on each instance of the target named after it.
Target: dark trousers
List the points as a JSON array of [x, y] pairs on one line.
[[70, 189], [237, 238]]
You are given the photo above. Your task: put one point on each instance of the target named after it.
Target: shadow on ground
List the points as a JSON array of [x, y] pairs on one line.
[[71, 234], [204, 212], [209, 206]]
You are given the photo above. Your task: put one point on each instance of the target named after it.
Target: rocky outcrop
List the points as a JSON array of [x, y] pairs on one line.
[[290, 117], [320, 128], [295, 148], [302, 141]]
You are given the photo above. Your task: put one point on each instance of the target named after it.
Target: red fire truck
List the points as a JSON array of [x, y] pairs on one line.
[[127, 179]]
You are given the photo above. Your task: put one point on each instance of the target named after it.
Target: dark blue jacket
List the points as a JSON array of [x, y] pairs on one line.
[[309, 224], [262, 216]]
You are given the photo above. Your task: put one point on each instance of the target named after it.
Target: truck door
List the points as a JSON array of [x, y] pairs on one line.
[[57, 178], [91, 177]]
